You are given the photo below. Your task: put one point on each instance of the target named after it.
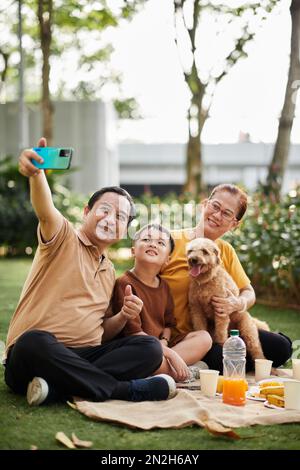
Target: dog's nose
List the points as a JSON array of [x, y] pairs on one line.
[[193, 261]]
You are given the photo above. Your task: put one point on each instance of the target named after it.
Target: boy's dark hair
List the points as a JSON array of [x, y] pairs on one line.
[[158, 227], [113, 189]]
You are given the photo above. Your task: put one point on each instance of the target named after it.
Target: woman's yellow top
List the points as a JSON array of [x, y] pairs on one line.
[[176, 275]]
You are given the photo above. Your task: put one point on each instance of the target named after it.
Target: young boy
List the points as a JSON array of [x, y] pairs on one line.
[[152, 247]]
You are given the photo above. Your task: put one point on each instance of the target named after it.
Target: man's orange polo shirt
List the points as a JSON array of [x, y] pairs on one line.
[[67, 291]]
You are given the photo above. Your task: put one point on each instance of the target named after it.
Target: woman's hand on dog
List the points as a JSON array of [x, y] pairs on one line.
[[224, 306]]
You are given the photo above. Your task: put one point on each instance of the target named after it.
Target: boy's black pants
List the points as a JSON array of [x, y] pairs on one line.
[[95, 373]]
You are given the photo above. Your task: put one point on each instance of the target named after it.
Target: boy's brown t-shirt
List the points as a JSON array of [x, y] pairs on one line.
[[157, 311]]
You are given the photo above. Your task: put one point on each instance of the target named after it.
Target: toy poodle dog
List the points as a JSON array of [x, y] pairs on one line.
[[208, 279]]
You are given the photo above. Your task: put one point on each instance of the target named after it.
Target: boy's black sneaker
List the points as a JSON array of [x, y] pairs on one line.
[[158, 387]]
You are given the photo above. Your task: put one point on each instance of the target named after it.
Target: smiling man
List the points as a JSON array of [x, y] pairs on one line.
[[54, 343]]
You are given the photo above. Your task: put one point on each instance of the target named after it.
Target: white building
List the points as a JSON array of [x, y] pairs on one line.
[[90, 128], [161, 167]]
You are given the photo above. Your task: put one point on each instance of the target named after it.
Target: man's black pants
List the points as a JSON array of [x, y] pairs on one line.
[[95, 373]]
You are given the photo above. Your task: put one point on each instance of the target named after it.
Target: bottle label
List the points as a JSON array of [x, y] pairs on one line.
[[234, 368]]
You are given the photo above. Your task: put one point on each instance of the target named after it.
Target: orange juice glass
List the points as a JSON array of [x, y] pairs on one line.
[[234, 391]]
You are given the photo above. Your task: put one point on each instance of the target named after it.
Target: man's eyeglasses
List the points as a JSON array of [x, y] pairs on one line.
[[216, 207]]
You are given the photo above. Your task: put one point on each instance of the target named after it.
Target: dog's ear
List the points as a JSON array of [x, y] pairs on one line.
[[188, 247], [217, 253]]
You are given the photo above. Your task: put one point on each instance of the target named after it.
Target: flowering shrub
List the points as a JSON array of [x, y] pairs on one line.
[[268, 245]]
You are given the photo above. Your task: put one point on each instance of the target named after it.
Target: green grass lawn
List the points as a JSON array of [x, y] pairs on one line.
[[22, 426]]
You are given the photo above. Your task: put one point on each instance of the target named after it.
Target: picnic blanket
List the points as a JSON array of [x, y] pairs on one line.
[[188, 407]]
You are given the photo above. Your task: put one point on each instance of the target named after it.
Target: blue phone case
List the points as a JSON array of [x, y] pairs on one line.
[[55, 158]]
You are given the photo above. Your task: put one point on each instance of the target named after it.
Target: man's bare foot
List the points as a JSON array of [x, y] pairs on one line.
[[274, 371]]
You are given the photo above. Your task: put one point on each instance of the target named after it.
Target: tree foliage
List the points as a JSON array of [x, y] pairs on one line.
[[282, 146], [208, 57], [17, 218], [80, 48]]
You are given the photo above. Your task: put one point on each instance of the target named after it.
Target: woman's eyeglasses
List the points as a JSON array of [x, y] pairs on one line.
[[216, 207]]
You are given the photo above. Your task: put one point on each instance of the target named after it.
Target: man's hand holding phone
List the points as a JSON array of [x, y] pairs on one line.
[[40, 195], [26, 167], [33, 160]]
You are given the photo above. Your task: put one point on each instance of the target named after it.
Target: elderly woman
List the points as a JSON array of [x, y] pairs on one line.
[[222, 212]]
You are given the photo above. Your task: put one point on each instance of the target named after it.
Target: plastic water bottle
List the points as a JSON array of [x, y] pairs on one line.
[[234, 361]]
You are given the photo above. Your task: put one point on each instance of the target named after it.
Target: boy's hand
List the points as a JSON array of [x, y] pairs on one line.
[[132, 304], [26, 168], [177, 363]]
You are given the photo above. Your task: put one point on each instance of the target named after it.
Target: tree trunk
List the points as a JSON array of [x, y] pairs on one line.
[[187, 15], [45, 8], [194, 178], [281, 151], [194, 164], [3, 74], [196, 120]]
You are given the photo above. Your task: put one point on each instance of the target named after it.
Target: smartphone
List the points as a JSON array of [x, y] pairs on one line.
[[55, 158]]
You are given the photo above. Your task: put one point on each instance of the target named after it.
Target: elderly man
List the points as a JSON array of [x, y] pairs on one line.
[[54, 348]]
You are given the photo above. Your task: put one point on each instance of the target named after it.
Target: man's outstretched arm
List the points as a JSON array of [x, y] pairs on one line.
[[41, 198]]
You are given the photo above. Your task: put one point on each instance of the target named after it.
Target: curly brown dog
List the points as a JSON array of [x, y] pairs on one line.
[[209, 278]]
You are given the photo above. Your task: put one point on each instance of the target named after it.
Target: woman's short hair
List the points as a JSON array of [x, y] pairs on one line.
[[235, 191]]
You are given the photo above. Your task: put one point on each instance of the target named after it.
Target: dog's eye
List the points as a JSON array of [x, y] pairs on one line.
[[205, 252]]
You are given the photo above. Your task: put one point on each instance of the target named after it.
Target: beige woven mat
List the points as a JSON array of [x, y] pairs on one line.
[[187, 408]]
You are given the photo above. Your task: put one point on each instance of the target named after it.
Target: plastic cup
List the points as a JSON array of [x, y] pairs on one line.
[[296, 369], [209, 382], [262, 369], [292, 395]]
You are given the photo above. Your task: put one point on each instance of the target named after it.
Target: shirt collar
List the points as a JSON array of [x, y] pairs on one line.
[[83, 238], [86, 241]]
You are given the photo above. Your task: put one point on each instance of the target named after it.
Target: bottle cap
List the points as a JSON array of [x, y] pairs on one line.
[[234, 333]]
